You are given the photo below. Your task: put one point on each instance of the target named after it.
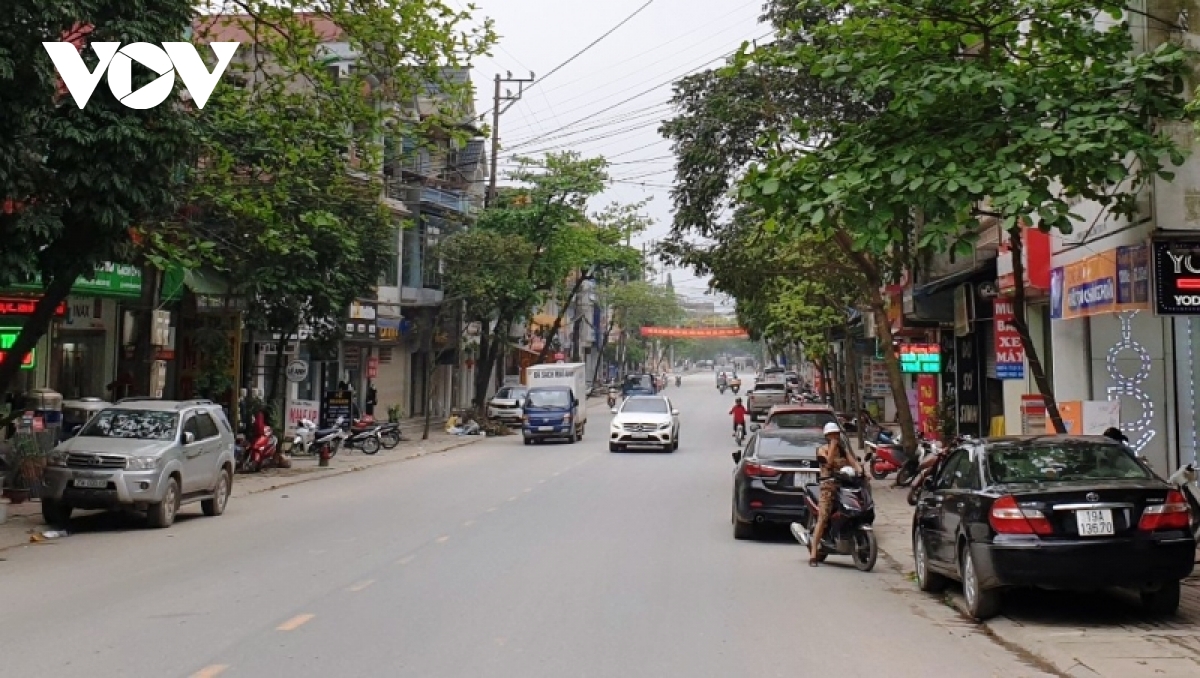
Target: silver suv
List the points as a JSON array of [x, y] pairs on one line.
[[143, 453]]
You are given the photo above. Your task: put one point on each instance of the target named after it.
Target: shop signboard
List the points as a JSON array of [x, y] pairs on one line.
[[372, 367], [336, 404], [1176, 277], [389, 330], [8, 338], [1033, 415], [299, 410], [920, 359], [1010, 354], [927, 404], [19, 306], [108, 280], [1109, 282]]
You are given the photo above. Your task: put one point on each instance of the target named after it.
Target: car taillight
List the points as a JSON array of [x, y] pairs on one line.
[[758, 471], [1170, 515], [1008, 518]]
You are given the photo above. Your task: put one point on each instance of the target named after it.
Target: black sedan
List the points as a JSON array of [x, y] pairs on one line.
[[1060, 512], [768, 483]]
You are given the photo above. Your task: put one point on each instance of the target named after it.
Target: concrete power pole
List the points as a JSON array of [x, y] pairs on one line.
[[501, 102]]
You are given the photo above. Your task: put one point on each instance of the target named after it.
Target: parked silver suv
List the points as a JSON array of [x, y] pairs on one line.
[[143, 453]]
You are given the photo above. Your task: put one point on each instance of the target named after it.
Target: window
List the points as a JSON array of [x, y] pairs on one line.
[[949, 473], [192, 425], [511, 393], [966, 475], [647, 405], [789, 447], [391, 273], [206, 426], [138, 424], [1063, 462], [548, 399], [801, 420]]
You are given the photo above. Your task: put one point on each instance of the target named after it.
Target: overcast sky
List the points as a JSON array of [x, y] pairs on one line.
[[610, 100]]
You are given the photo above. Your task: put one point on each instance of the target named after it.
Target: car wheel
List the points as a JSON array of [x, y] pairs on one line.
[[216, 505], [613, 447], [163, 513], [927, 580], [675, 444], [1163, 600], [529, 441], [742, 531], [981, 604], [56, 512]]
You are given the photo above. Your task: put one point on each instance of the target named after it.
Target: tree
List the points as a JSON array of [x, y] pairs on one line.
[[1012, 111], [637, 304], [74, 181], [288, 194]]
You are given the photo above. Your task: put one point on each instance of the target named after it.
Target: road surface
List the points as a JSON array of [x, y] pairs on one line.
[[495, 560]]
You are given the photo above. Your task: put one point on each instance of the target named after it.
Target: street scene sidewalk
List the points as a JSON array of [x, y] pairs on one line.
[[1079, 635], [25, 525]]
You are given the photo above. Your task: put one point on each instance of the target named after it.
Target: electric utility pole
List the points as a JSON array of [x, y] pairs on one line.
[[501, 102]]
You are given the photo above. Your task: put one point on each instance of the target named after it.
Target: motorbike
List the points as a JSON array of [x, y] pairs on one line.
[[927, 468], [365, 438], [1185, 479], [389, 435], [849, 532], [721, 387], [735, 385], [259, 454], [678, 380], [612, 397], [302, 439], [739, 434]]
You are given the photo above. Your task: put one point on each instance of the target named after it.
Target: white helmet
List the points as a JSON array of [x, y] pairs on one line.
[[832, 428]]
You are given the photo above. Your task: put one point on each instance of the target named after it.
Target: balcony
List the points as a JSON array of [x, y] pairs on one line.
[[452, 201]]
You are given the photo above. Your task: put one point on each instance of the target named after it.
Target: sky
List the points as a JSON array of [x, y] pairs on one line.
[[610, 100]]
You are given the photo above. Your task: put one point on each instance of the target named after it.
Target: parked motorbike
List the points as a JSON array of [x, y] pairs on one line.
[[849, 532], [886, 459], [302, 439], [259, 454], [365, 438], [389, 435], [1185, 479]]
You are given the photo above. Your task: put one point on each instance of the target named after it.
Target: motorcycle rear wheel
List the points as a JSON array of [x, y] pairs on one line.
[[904, 477], [866, 550], [877, 475], [389, 440], [370, 445]]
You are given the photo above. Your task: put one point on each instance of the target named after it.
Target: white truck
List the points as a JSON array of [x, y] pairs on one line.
[[554, 418]]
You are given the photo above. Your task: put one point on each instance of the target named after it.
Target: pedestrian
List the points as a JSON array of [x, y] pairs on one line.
[[831, 457]]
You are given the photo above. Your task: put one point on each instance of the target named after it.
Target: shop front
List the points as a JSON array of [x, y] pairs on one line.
[[1176, 294], [35, 368], [1109, 345]]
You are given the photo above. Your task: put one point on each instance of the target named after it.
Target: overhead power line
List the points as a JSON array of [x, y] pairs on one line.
[[590, 45]]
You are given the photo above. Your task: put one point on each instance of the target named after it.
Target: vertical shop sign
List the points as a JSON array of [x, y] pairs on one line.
[[927, 404], [967, 385], [1033, 415], [1010, 354]]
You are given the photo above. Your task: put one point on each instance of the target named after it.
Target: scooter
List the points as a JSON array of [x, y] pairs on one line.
[[612, 397], [261, 453], [362, 438], [739, 434], [1185, 479], [849, 532], [678, 380], [721, 388]]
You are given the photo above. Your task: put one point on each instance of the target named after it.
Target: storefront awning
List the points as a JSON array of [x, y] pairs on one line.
[[543, 320], [203, 282], [947, 283]]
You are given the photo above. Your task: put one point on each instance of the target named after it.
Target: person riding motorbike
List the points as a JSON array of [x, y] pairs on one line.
[[831, 457], [739, 417]]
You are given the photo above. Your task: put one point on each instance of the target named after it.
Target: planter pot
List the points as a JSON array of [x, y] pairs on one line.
[[17, 496]]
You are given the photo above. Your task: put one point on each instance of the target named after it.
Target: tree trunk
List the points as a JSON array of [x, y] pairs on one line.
[[562, 312], [1021, 323], [35, 327], [484, 368], [278, 371], [895, 378]]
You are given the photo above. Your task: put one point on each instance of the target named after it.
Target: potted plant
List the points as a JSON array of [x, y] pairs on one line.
[[26, 462], [393, 414]]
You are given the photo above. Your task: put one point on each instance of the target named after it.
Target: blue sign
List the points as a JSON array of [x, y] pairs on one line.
[[1010, 371], [1056, 293], [1102, 292]]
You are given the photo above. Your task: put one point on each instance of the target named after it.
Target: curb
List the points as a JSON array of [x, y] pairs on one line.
[[308, 478]]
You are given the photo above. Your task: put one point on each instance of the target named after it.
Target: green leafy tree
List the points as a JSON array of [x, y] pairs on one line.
[[74, 181], [1013, 111], [288, 194]]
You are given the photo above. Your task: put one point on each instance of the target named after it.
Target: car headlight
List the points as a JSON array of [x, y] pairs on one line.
[[141, 463], [663, 427], [56, 458], [566, 418], [616, 426]]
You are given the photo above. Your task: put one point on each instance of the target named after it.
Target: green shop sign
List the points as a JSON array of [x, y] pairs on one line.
[[8, 337], [109, 280]]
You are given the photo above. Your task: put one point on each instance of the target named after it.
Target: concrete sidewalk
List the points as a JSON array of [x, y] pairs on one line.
[[1078, 635], [25, 520]]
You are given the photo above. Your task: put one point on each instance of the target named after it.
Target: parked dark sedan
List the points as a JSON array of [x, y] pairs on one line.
[[768, 484], [1063, 512]]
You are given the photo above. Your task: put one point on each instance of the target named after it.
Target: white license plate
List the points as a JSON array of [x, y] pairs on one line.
[[91, 483], [545, 428], [1095, 523], [802, 479], [641, 436]]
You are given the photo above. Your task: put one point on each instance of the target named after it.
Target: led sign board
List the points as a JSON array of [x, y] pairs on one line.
[[920, 359]]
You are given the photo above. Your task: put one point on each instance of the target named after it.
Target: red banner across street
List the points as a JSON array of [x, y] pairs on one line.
[[696, 332]]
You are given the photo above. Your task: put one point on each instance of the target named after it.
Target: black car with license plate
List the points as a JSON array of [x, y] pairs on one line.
[[769, 480], [1057, 512]]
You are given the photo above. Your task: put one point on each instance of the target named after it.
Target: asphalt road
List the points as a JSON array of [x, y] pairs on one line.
[[495, 560]]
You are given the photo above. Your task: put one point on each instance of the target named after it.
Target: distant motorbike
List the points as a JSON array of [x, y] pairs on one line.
[[721, 388], [735, 385], [739, 434], [678, 380], [612, 396], [849, 532]]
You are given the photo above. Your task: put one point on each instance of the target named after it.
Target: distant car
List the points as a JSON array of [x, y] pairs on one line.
[[505, 406], [769, 480], [644, 421], [148, 454], [638, 384], [806, 417], [1070, 512]]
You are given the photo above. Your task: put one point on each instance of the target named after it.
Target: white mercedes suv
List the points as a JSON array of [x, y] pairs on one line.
[[644, 421]]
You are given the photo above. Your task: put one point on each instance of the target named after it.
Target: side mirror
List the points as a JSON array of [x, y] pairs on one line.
[[755, 427], [575, 402], [614, 410], [189, 438], [737, 457], [674, 413]]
